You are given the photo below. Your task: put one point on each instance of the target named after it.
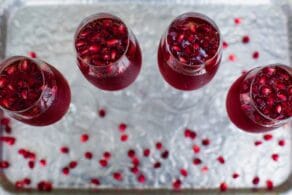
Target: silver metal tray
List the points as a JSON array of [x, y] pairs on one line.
[[153, 111]]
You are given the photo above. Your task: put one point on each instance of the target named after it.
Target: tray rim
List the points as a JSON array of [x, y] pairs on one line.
[[8, 8]]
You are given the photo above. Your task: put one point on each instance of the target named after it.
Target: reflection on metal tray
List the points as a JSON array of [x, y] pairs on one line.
[[153, 111]]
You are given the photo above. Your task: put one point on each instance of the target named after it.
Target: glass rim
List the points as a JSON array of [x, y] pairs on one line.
[[252, 101], [96, 16], [8, 61], [212, 23]]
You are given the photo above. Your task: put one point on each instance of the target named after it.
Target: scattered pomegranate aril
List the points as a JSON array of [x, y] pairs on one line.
[[269, 184], [131, 153], [237, 20], [7, 139], [43, 162], [122, 127], [197, 161], [232, 57], [281, 142], [196, 149], [184, 172], [225, 45], [165, 154], [73, 164], [235, 175], [245, 39], [267, 137], [141, 178], [146, 152], [275, 157], [102, 113], [66, 171], [4, 164], [84, 138], [88, 155], [117, 176], [205, 142], [124, 137], [176, 184], [31, 164], [45, 186], [257, 143], [95, 181], [223, 187], [156, 165], [5, 121], [158, 145], [256, 180], [221, 160], [107, 155], [103, 163], [32, 54], [255, 55], [64, 150]]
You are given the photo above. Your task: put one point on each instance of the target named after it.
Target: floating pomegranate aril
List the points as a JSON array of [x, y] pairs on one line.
[[108, 53], [190, 51]]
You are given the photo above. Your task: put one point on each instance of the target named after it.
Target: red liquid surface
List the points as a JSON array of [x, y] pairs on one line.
[[259, 103], [107, 55], [34, 98], [190, 43]]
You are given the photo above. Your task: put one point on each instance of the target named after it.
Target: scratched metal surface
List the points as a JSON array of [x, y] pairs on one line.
[[153, 110]]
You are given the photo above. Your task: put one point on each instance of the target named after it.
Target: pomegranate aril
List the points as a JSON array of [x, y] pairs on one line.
[[102, 113], [165, 154], [122, 127], [66, 171], [267, 137], [73, 164], [88, 155], [281, 142], [223, 187], [157, 165], [221, 160], [64, 150], [117, 176], [184, 172], [257, 143], [176, 184], [43, 162], [31, 164], [255, 55], [197, 161], [256, 180], [103, 163], [158, 145], [235, 175], [196, 149], [5, 121], [245, 39], [275, 157], [141, 178], [269, 184], [131, 153], [45, 186], [205, 142], [4, 164], [84, 137], [95, 181], [124, 137], [237, 20], [146, 152], [106, 155]]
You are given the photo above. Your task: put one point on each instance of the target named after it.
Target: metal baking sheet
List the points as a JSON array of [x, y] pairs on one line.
[[153, 111]]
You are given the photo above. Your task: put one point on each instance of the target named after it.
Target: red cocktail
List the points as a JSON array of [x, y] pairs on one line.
[[108, 53], [33, 91], [261, 99], [190, 51]]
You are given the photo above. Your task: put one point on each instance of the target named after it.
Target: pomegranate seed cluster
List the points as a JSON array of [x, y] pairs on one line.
[[271, 93], [102, 41], [193, 40], [21, 85]]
